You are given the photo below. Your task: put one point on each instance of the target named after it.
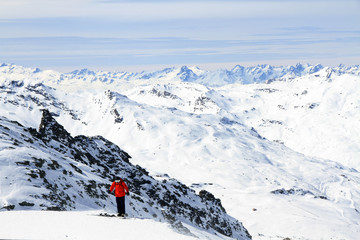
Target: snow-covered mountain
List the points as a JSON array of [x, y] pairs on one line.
[[51, 170], [278, 145]]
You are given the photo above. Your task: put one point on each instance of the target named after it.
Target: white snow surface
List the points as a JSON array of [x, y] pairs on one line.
[[295, 129], [85, 225]]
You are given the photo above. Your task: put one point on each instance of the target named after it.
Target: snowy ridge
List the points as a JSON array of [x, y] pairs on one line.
[[280, 149], [51, 170]]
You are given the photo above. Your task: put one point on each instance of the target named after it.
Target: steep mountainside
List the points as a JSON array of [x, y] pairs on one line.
[[51, 170]]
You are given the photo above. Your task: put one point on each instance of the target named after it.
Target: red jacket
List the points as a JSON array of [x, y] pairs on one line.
[[120, 188]]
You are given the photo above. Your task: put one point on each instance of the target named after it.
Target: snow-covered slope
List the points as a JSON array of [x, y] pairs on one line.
[[317, 115], [50, 170], [87, 225], [280, 154]]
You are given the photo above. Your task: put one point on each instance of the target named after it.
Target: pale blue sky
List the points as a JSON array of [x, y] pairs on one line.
[[133, 35]]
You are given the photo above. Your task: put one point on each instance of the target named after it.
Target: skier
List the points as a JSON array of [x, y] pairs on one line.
[[121, 189]]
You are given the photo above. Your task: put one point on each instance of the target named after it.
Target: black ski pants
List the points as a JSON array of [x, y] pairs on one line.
[[120, 202]]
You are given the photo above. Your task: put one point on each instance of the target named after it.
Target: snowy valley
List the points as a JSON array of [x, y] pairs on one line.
[[268, 151]]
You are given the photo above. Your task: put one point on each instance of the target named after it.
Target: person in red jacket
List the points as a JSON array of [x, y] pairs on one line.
[[121, 189]]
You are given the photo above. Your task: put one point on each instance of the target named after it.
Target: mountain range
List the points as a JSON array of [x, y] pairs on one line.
[[278, 146], [215, 78]]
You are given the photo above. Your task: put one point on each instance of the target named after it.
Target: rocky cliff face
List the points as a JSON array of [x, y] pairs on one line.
[[49, 169]]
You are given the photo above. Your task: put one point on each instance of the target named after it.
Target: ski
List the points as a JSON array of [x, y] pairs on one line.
[[113, 215]]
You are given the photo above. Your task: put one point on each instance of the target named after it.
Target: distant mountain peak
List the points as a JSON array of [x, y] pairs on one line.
[[83, 71], [186, 74]]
